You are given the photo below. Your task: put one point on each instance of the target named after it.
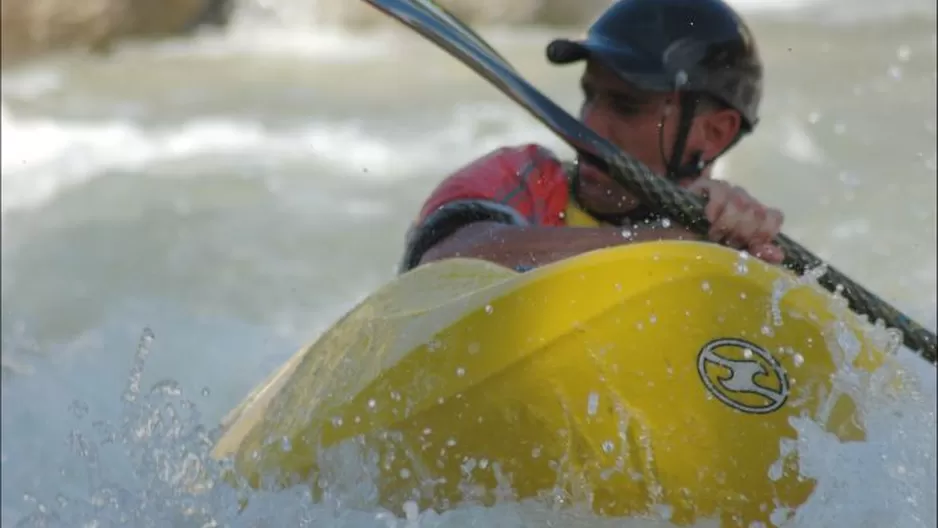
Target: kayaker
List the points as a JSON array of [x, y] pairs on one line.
[[674, 83]]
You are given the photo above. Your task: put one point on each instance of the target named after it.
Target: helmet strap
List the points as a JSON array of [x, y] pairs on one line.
[[675, 169]]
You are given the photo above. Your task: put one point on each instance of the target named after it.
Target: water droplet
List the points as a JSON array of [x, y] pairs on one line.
[[798, 359], [592, 404], [460, 372], [206, 392], [536, 452], [665, 223], [653, 319], [779, 515], [285, 444], [372, 404], [627, 234], [904, 53], [705, 286], [775, 471], [166, 388], [451, 442], [411, 511], [489, 309], [747, 353], [742, 265], [405, 473], [665, 512], [681, 78], [78, 408], [608, 446], [337, 422]]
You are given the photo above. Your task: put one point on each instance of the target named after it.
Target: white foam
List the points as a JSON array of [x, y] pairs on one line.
[[42, 157], [745, 6], [29, 82], [837, 11], [324, 44], [798, 144], [293, 29]]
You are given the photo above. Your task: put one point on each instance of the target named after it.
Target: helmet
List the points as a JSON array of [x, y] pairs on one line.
[[700, 46]]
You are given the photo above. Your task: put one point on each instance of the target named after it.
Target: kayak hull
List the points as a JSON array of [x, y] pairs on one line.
[[635, 379]]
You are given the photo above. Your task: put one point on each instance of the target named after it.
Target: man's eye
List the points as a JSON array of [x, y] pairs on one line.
[[627, 106]]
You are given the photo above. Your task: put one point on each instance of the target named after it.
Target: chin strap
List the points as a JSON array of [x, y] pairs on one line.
[[687, 105]]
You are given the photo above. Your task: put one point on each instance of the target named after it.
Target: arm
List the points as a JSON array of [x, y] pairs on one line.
[[508, 208], [524, 246]]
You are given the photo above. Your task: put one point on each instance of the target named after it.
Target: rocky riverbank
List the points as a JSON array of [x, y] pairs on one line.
[[29, 28]]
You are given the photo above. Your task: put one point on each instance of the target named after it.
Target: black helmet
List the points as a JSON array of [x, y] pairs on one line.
[[689, 46], [666, 45]]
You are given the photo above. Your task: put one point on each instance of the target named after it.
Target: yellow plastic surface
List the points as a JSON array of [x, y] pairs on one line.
[[651, 374]]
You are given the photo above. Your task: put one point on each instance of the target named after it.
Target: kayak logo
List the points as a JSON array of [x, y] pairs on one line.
[[743, 376]]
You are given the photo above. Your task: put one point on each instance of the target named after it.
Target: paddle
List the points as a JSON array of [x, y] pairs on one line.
[[443, 29]]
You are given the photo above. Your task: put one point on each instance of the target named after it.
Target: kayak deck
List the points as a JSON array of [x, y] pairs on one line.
[[653, 374]]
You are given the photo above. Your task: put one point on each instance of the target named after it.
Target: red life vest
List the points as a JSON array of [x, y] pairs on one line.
[[523, 185], [528, 179]]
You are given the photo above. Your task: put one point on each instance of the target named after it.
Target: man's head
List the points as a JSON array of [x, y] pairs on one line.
[[674, 83]]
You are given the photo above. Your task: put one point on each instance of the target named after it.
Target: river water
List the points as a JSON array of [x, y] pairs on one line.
[[236, 192]]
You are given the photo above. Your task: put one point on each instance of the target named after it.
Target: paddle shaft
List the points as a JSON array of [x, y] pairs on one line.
[[441, 28]]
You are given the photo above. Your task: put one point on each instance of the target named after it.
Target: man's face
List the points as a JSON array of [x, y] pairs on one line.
[[643, 124]]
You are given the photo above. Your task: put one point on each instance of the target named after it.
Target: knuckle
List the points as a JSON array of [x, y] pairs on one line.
[[740, 198]]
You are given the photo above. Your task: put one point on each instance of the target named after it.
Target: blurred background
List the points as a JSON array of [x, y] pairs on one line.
[[235, 174]]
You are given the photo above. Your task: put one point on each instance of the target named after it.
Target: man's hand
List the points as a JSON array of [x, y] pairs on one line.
[[740, 221]]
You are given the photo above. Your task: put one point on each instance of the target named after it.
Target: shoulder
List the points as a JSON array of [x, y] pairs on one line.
[[515, 185], [511, 159], [501, 170]]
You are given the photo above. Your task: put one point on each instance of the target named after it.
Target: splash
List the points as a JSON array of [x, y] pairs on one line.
[[152, 467]]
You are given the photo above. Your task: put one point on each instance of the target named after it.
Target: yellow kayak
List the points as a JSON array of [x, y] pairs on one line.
[[649, 376]]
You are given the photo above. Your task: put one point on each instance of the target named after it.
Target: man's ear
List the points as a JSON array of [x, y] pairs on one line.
[[720, 128]]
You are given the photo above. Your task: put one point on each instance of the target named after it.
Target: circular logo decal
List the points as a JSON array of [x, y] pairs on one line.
[[743, 376]]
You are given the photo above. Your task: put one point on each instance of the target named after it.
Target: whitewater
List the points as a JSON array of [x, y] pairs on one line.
[[235, 192]]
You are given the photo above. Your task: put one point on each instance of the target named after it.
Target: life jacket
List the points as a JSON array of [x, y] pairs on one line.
[[524, 185]]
